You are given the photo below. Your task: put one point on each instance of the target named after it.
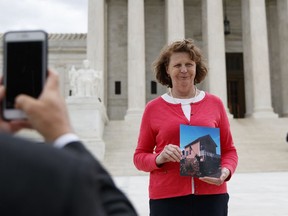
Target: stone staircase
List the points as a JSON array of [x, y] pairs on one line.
[[260, 143], [120, 138]]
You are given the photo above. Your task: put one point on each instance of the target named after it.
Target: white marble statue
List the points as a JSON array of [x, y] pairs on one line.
[[72, 80], [84, 82]]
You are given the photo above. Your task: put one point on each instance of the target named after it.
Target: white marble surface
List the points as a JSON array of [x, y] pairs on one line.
[[257, 194], [88, 117], [175, 20], [136, 57]]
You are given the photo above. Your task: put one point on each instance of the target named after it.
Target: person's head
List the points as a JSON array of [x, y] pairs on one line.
[[86, 63], [162, 64]]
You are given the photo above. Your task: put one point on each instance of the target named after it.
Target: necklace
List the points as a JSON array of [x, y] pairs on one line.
[[185, 103], [181, 100]]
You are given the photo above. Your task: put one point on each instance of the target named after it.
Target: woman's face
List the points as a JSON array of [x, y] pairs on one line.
[[182, 70]]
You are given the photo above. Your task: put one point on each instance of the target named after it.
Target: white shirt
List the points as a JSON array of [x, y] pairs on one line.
[[185, 103], [63, 140]]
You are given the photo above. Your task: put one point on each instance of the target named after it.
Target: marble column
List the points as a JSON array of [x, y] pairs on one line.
[[136, 59], [214, 47], [96, 40], [175, 20], [282, 8], [88, 114], [256, 60]]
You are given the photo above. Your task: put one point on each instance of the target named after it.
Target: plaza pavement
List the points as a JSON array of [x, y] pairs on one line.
[[258, 188], [251, 194]]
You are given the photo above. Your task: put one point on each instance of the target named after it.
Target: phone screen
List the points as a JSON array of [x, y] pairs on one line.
[[24, 70]]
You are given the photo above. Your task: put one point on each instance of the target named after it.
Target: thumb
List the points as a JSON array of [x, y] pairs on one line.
[[52, 82], [2, 92], [223, 177], [25, 103]]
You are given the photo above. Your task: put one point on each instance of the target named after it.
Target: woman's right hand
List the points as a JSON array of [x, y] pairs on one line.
[[170, 153]]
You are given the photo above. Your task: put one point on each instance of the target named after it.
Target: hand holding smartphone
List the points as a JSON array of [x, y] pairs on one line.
[[25, 68]]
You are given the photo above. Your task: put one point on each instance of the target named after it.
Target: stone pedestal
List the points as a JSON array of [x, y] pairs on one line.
[[88, 117]]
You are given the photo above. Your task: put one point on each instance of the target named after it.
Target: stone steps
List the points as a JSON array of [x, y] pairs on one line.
[[260, 144], [120, 138]]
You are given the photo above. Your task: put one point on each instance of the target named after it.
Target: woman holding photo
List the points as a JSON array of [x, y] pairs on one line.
[[180, 67]]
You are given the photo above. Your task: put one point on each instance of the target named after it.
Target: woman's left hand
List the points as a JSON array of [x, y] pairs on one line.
[[217, 181]]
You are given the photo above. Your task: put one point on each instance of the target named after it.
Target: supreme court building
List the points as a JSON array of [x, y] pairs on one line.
[[247, 57]]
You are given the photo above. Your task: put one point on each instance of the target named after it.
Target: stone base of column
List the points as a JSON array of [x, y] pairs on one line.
[[134, 115], [284, 113], [88, 118], [263, 113], [229, 115]]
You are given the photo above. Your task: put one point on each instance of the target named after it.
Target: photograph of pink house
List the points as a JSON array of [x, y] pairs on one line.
[[200, 156]]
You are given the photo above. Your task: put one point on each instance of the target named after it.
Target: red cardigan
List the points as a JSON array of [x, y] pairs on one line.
[[160, 127]]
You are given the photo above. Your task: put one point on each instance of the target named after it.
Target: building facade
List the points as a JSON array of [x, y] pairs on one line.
[[247, 65], [247, 68]]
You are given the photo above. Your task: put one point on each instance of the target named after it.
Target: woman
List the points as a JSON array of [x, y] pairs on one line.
[[180, 67]]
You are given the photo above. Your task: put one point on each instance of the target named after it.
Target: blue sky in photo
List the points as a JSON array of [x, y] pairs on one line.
[[190, 133]]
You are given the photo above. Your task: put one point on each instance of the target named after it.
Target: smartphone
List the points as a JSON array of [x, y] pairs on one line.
[[25, 68]]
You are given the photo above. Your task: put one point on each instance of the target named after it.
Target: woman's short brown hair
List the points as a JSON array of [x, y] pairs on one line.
[[186, 45]]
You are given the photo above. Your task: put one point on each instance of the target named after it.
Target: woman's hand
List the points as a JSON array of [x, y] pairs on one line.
[[170, 153], [217, 181]]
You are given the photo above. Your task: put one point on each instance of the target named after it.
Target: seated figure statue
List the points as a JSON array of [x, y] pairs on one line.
[[84, 82], [72, 81]]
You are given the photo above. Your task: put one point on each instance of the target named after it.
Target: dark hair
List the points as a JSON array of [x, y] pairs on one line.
[[186, 45]]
